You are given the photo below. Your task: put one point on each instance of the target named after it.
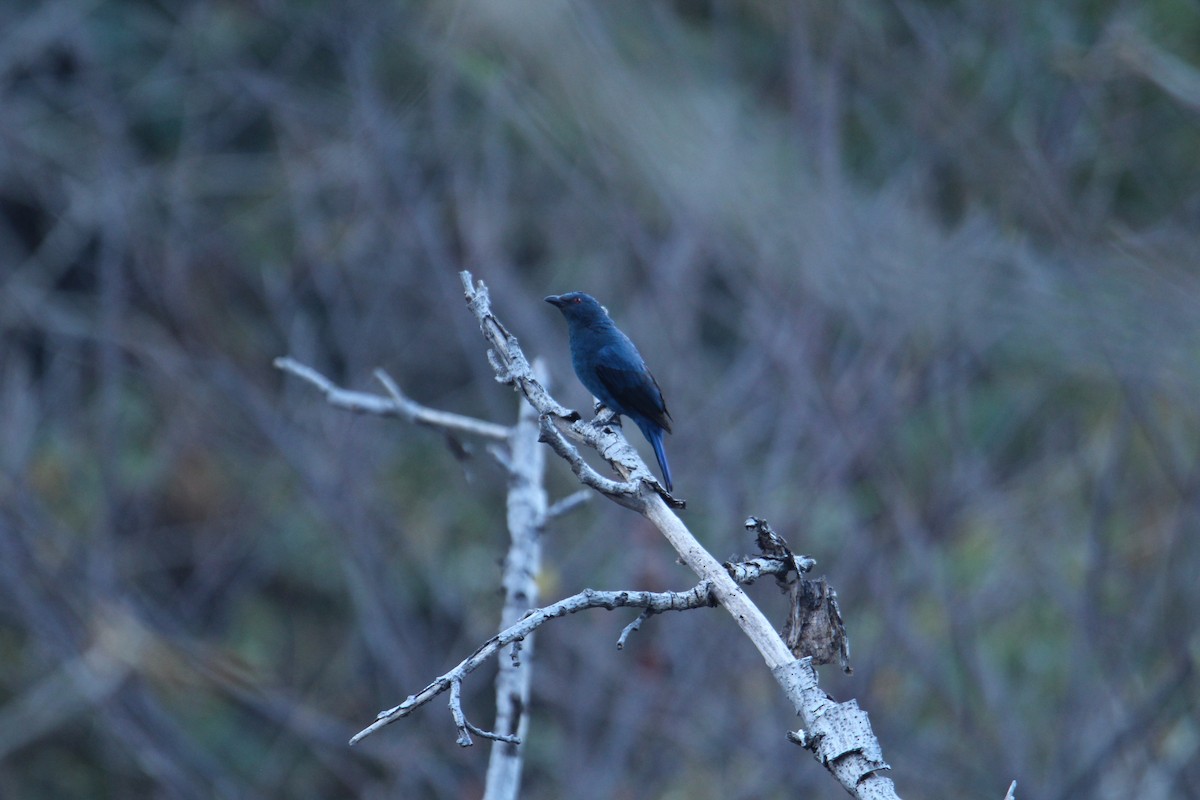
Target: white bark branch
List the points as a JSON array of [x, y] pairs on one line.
[[397, 405], [520, 632], [568, 504], [658, 602], [527, 514]]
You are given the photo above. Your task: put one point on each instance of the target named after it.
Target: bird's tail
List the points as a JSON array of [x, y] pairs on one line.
[[655, 436]]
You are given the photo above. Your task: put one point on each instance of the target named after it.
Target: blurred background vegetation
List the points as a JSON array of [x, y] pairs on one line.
[[920, 282]]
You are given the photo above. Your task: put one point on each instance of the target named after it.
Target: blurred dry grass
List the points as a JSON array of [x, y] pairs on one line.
[[919, 281]]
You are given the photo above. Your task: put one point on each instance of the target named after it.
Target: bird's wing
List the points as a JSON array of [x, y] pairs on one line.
[[635, 388]]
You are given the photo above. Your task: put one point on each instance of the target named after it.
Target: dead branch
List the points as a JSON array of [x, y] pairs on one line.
[[516, 450], [838, 734]]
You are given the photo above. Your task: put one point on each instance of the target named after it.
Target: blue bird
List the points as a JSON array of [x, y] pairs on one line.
[[612, 369]]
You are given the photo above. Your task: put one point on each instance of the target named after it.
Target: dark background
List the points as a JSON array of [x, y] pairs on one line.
[[920, 282]]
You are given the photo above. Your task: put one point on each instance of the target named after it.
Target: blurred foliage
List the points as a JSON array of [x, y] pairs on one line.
[[919, 281]]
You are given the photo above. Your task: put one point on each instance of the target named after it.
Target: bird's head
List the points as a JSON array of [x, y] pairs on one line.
[[578, 307]]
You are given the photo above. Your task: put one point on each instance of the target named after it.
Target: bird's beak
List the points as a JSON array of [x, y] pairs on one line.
[[555, 300]]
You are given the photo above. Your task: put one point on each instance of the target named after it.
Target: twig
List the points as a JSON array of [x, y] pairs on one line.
[[568, 504], [747, 572], [633, 626], [465, 728]]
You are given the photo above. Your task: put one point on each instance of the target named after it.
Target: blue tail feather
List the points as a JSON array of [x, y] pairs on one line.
[[655, 436]]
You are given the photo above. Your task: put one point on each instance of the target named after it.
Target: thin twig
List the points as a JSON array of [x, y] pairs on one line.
[[568, 504], [633, 626], [465, 727]]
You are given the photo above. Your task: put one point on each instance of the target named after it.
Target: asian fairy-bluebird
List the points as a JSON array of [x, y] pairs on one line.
[[612, 369]]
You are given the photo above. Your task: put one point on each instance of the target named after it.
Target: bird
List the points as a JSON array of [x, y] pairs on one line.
[[609, 365]]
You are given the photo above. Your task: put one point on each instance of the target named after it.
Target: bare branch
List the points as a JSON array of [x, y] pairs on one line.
[[525, 460], [465, 728], [747, 572], [422, 415], [850, 751], [699, 596], [658, 602], [335, 395], [398, 405], [624, 493]]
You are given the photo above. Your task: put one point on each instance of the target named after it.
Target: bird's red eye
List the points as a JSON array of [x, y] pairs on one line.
[[577, 301]]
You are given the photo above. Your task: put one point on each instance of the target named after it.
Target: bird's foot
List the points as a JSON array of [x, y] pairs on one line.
[[605, 416], [670, 499]]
